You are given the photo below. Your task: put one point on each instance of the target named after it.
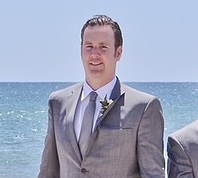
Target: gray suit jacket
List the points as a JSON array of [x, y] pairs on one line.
[[126, 143], [183, 152]]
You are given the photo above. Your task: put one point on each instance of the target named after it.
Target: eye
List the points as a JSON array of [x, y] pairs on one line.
[[103, 47], [88, 46]]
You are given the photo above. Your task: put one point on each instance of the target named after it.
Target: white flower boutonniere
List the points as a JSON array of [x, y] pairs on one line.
[[105, 104]]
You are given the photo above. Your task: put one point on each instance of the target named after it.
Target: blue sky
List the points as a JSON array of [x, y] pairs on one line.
[[40, 39]]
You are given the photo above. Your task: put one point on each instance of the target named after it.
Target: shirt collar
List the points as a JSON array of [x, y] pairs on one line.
[[102, 91]]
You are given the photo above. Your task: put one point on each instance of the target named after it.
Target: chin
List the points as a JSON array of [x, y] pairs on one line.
[[96, 73]]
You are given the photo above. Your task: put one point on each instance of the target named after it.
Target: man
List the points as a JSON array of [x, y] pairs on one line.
[[183, 152], [126, 139]]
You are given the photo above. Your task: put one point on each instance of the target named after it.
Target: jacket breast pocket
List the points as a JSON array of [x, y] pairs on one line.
[[114, 143], [115, 131]]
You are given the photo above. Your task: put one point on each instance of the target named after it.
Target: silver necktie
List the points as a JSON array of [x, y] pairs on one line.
[[87, 122]]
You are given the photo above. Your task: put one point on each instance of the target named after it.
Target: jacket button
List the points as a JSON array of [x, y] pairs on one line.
[[83, 170]]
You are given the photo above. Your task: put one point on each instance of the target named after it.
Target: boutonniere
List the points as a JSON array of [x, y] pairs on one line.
[[105, 104]]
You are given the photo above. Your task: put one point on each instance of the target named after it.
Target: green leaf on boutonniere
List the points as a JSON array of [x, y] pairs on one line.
[[105, 104]]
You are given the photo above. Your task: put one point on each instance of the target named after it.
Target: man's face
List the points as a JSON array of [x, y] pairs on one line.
[[98, 53]]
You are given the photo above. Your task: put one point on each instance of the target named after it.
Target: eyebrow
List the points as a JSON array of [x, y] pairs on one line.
[[101, 43]]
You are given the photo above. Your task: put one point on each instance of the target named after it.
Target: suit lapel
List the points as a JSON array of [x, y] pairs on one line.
[[73, 101], [100, 119], [117, 93]]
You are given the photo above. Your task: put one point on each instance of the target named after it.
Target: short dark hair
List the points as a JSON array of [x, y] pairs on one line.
[[102, 20]]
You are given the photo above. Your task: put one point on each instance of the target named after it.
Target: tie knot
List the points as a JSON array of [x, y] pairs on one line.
[[93, 96]]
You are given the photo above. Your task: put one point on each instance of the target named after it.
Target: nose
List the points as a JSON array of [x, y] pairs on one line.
[[95, 52]]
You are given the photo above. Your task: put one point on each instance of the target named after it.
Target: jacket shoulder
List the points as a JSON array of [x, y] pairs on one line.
[[62, 93], [140, 95], [187, 136]]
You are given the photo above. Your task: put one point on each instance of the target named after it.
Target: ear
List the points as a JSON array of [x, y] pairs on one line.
[[118, 53]]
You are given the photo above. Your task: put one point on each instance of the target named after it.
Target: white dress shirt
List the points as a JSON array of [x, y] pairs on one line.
[[83, 102]]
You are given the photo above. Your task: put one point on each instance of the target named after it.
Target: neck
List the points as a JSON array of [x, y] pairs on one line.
[[97, 83]]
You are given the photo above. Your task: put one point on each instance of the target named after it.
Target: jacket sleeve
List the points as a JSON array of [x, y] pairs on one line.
[[49, 167], [179, 165], [150, 145]]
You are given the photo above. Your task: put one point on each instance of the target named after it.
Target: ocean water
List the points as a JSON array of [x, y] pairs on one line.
[[23, 119]]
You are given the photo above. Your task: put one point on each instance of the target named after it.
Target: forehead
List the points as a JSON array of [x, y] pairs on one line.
[[98, 33]]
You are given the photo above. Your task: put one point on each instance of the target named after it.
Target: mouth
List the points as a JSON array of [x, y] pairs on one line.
[[95, 64]]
